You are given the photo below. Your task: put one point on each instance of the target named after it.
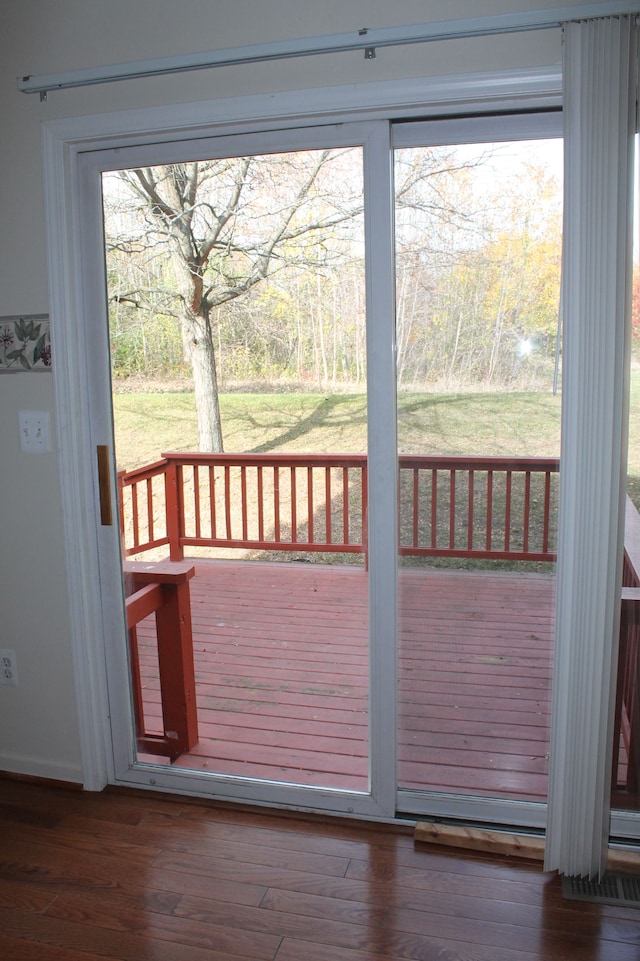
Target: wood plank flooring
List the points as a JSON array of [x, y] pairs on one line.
[[115, 877], [282, 686]]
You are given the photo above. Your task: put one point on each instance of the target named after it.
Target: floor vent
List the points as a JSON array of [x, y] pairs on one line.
[[621, 889]]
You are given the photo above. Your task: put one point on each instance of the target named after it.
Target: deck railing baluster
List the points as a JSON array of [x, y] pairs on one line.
[[327, 504], [243, 489], [212, 501], [547, 511], [415, 530], [452, 509], [489, 540], [276, 504], [150, 508], [196, 499], [471, 496], [294, 507], [507, 510], [227, 500], [527, 510], [310, 511], [434, 509], [345, 505], [260, 486], [134, 510]]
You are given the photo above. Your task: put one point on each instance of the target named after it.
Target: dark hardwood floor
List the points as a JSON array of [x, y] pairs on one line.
[[114, 877]]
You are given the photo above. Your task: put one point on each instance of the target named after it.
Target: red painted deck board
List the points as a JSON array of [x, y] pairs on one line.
[[281, 672]]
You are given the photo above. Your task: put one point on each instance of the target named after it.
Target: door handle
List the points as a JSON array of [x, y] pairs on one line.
[[104, 485]]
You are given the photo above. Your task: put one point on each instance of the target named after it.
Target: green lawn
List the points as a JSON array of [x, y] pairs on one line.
[[467, 423], [147, 424]]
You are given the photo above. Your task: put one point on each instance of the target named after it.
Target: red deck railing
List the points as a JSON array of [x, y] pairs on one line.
[[467, 507]]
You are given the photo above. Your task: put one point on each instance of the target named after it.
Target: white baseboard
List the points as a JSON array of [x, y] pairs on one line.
[[39, 767]]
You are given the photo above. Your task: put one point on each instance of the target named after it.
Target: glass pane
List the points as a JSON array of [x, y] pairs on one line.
[[478, 245], [237, 324]]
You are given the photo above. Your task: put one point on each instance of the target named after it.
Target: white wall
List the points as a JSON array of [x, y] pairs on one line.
[[38, 724]]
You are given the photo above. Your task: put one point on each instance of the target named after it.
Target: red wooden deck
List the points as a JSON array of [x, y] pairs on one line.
[[281, 674]]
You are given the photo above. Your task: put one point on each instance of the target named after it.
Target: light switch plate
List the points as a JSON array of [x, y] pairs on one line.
[[35, 431], [8, 668]]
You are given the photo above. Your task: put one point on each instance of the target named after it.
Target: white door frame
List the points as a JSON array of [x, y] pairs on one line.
[[78, 380]]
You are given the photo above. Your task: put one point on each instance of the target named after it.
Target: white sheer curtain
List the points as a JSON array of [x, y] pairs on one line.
[[600, 112]]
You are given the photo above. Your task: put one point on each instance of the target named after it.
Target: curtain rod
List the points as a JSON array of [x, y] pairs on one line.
[[364, 39]]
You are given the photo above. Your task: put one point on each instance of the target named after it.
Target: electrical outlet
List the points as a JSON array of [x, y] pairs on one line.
[[35, 431], [8, 668]]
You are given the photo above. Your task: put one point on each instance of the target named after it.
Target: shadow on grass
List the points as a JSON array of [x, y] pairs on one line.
[[500, 423], [322, 416], [335, 411]]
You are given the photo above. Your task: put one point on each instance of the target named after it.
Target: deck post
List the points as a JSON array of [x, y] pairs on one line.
[[175, 658], [173, 506], [175, 651]]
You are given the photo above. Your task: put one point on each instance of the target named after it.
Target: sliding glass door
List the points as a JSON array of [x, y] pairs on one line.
[[478, 213], [439, 486]]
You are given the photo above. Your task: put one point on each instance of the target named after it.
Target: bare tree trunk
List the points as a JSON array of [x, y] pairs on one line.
[[205, 383], [360, 340], [334, 355], [321, 338], [456, 343], [497, 331], [301, 346]]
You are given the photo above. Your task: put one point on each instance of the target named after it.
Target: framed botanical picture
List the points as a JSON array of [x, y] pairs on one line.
[[25, 343]]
